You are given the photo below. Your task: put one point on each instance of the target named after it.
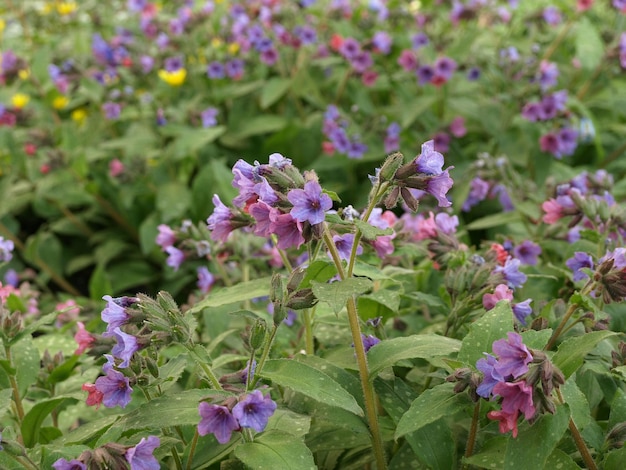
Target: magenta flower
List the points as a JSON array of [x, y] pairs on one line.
[[219, 223], [217, 420], [513, 356], [287, 229], [115, 388], [309, 204], [507, 421], [502, 292], [140, 457], [254, 411], [516, 396]]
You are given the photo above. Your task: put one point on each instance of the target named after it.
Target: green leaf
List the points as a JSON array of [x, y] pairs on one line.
[[276, 450], [388, 352], [319, 271], [491, 455], [5, 400], [310, 382], [177, 409], [258, 125], [27, 363], [618, 409], [29, 329], [536, 339], [615, 460], [289, 422], [370, 232], [561, 461], [273, 90], [434, 445], [542, 437], [87, 431], [569, 357], [494, 220], [35, 417], [492, 326], [336, 294], [589, 44], [433, 404], [415, 108], [173, 200], [237, 293], [577, 402]]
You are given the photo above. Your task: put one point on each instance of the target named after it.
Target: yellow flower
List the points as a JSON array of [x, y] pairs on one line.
[[176, 78], [216, 43], [66, 8], [24, 74], [20, 100], [233, 48], [46, 8], [60, 102], [2, 25], [79, 115]]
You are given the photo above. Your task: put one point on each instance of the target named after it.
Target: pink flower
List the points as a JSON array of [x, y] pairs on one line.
[[516, 397], [457, 127], [83, 338], [69, 311], [508, 421], [116, 168], [502, 292], [95, 396]]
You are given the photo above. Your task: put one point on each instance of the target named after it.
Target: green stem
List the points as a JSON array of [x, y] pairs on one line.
[[361, 357], [559, 329], [578, 439], [471, 439], [308, 332], [213, 380], [192, 450], [250, 369], [16, 391], [559, 39], [177, 461], [264, 354]]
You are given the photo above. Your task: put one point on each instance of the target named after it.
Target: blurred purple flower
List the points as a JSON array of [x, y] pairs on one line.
[[552, 15], [6, 249], [527, 252], [407, 60], [111, 110], [473, 74], [441, 141], [424, 74], [548, 74], [166, 236], [234, 68], [209, 117], [216, 70], [382, 42], [175, 258], [419, 40], [349, 48], [63, 464], [479, 189], [205, 279], [578, 261]]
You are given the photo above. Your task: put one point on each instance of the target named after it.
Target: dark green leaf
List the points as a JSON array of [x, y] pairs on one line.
[[35, 417], [388, 352], [276, 450], [569, 357], [319, 271], [336, 294], [310, 382]]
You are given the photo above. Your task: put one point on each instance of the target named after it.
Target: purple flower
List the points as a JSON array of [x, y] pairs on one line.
[[166, 236], [513, 356], [419, 40], [369, 341], [140, 457], [344, 243], [175, 258], [114, 313], [306, 34], [382, 42], [172, 64], [491, 375], [309, 204], [442, 141], [425, 74], [578, 261], [234, 68], [205, 279], [522, 310], [511, 273], [73, 464], [444, 68], [349, 48], [548, 74], [262, 214], [217, 420], [516, 396], [254, 411], [209, 117], [219, 223], [6, 248], [111, 110], [407, 60], [552, 15], [473, 74], [438, 186], [125, 348], [115, 388], [527, 252], [215, 70], [567, 141], [429, 162]]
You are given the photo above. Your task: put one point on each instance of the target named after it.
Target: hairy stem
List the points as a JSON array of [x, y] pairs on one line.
[[192, 450], [16, 391], [471, 438], [578, 439], [309, 345]]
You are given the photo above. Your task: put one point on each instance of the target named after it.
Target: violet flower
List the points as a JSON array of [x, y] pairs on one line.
[[114, 313], [522, 310], [287, 229], [115, 388], [175, 258], [511, 273], [438, 186], [205, 279], [254, 410], [63, 464], [516, 396], [216, 420], [140, 457], [219, 223], [429, 161], [491, 376], [527, 252], [309, 204], [166, 236], [577, 262], [513, 356], [125, 348]]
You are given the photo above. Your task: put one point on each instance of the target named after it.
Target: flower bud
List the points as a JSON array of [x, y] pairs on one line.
[[152, 367], [616, 436], [390, 166], [280, 313], [257, 335], [295, 279], [304, 298], [392, 198], [167, 302], [277, 290], [409, 199]]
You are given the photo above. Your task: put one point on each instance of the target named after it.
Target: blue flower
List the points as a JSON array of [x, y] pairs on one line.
[[577, 262], [125, 347], [511, 273], [140, 457], [63, 464], [115, 388], [114, 313], [309, 204], [522, 310], [491, 376], [254, 411]]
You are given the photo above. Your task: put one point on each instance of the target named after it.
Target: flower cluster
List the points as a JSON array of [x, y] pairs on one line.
[[6, 250], [334, 129], [522, 381], [252, 410], [609, 278]]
